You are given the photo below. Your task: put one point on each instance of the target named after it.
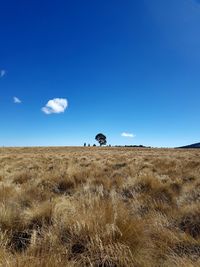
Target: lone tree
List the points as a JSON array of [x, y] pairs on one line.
[[101, 138]]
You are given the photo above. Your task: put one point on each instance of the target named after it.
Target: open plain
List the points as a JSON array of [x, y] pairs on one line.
[[67, 206]]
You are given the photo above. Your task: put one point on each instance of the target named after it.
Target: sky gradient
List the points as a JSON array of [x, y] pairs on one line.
[[129, 69]]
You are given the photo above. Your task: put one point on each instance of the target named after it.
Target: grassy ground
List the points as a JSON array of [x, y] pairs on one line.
[[99, 207]]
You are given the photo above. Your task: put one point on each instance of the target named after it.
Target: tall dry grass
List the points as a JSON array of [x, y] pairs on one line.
[[99, 207]]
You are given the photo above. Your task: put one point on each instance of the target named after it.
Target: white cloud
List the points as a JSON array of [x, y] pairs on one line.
[[129, 135], [2, 73], [16, 100], [56, 105]]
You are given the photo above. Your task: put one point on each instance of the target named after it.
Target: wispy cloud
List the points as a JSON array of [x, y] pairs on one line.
[[16, 100], [129, 135], [56, 105], [2, 73]]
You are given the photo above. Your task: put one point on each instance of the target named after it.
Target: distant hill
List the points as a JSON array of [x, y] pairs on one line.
[[197, 145]]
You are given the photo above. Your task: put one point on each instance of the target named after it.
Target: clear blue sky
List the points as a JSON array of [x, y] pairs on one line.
[[124, 66]]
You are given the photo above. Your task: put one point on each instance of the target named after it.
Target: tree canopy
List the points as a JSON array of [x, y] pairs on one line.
[[101, 138]]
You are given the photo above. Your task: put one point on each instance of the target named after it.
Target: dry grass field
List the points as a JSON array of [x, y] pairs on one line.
[[99, 207]]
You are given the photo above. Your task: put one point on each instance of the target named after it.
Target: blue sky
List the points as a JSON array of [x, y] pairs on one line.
[[123, 67]]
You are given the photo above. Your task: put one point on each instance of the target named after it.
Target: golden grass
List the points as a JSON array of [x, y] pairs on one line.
[[99, 207]]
